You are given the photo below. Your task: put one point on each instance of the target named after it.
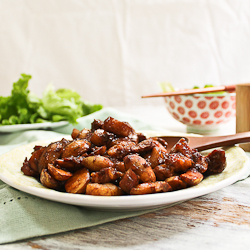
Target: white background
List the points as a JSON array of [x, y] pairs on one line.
[[114, 51]]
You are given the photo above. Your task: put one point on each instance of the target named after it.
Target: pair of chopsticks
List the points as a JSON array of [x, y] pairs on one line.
[[228, 88]]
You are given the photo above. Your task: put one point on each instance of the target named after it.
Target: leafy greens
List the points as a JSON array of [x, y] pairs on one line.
[[23, 107]]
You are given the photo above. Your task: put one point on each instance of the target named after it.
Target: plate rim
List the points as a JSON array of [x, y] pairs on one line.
[[28, 126]]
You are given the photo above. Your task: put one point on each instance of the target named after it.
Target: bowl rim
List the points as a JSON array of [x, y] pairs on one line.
[[206, 94], [211, 94]]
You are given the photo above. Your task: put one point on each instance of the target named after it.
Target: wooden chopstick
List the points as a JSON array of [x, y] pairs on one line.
[[194, 91]]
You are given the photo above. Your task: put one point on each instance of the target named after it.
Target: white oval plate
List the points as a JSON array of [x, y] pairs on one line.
[[23, 127], [10, 173]]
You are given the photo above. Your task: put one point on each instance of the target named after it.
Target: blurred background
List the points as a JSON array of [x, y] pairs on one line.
[[114, 51]]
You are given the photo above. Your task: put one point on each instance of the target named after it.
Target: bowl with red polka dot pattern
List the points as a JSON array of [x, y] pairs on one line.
[[202, 113]]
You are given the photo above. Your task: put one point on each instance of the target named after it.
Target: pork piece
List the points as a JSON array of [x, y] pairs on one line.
[[151, 188], [163, 171], [83, 134], [140, 167], [48, 181], [96, 162], [100, 137], [162, 142], [119, 165], [98, 150], [27, 170], [78, 182], [133, 137], [58, 174], [176, 183], [117, 140], [147, 175], [96, 124], [216, 161], [30, 167], [158, 153], [192, 177], [182, 147], [141, 137], [70, 163], [119, 128], [201, 163], [120, 150], [106, 175], [34, 159], [144, 146], [128, 181], [75, 133], [76, 148], [179, 162], [157, 156], [51, 153], [107, 189]]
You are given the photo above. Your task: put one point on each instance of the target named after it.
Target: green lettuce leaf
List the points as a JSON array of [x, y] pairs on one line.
[[63, 103], [23, 107], [17, 108]]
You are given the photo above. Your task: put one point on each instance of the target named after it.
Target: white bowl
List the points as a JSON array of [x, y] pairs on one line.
[[202, 113]]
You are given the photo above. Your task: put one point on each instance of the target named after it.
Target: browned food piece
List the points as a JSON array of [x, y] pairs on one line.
[[163, 171], [75, 133], [96, 162], [120, 150], [144, 146], [47, 180], [128, 181], [106, 175], [51, 153], [96, 124], [157, 156], [98, 150], [179, 162], [159, 143], [117, 127], [140, 167], [201, 163], [147, 175], [151, 188], [119, 166], [116, 141], [133, 137], [192, 177], [141, 137], [107, 189], [100, 137], [176, 183], [78, 182], [27, 170], [34, 159], [182, 147], [58, 174], [76, 148], [71, 163], [162, 142], [216, 161], [84, 134], [135, 162], [147, 157]]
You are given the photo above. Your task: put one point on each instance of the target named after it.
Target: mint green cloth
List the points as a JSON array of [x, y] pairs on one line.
[[24, 216]]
